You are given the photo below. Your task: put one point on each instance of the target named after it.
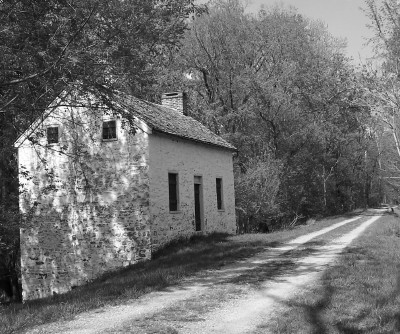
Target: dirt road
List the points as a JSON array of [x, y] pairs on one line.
[[235, 299]]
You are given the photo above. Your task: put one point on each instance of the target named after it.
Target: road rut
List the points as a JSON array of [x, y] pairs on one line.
[[234, 299]]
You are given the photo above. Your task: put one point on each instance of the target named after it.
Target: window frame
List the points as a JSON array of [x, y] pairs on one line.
[[115, 129], [219, 190], [58, 134], [173, 206]]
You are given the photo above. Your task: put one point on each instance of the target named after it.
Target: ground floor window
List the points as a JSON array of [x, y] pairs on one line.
[[173, 191], [219, 193]]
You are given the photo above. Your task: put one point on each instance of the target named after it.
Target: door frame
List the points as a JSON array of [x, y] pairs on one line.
[[198, 179]]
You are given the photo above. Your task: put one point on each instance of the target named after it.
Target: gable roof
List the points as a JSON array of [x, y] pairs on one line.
[[170, 121], [159, 118], [34, 125]]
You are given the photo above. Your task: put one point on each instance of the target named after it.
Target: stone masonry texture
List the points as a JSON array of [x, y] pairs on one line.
[[86, 203], [92, 206]]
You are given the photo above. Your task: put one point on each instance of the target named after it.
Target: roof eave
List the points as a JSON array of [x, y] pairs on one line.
[[232, 149]]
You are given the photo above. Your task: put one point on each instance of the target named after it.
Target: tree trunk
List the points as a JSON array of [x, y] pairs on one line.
[[16, 293]]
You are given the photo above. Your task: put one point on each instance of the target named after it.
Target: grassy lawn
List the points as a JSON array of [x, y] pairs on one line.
[[168, 267], [360, 294]]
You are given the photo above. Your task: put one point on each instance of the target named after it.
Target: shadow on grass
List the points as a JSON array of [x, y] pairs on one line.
[[169, 266], [357, 306], [314, 312]]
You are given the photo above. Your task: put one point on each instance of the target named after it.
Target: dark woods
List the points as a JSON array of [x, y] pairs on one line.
[[278, 86]]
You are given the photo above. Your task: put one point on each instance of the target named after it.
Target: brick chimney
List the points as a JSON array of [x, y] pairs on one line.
[[174, 100]]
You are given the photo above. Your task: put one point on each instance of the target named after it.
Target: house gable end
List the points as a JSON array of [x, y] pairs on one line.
[[57, 103], [34, 126]]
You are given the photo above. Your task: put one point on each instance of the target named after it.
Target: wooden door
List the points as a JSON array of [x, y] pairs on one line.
[[198, 204]]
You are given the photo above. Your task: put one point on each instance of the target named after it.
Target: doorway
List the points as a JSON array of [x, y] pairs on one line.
[[198, 203]]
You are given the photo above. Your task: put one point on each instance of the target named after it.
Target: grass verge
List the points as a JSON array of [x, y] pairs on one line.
[[359, 294], [168, 267]]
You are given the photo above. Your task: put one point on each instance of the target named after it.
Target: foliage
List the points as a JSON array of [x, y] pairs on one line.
[[257, 187], [277, 84], [382, 87], [47, 46]]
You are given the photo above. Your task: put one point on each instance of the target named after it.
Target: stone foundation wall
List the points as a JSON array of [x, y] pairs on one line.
[[86, 203]]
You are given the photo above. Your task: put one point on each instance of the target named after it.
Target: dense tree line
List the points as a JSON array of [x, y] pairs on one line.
[[314, 135], [382, 86], [278, 86]]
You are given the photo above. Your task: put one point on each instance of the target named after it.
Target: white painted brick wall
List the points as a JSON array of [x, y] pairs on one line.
[[188, 159]]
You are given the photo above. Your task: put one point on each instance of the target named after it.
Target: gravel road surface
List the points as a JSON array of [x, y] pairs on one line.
[[234, 299]]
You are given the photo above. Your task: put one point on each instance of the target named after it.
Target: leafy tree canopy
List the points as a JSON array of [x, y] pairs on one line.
[[47, 45], [278, 86]]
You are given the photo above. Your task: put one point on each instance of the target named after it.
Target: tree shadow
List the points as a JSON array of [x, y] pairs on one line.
[[86, 204], [250, 266], [276, 265], [324, 317]]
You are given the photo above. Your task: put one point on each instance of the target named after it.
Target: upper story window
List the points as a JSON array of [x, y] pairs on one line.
[[52, 135], [109, 130], [220, 203], [173, 191]]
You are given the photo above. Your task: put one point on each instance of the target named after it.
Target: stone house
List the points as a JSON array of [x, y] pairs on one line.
[[101, 187]]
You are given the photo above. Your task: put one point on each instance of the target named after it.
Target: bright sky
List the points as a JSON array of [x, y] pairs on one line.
[[344, 18]]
